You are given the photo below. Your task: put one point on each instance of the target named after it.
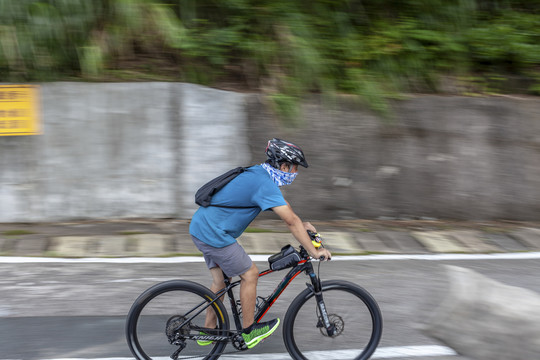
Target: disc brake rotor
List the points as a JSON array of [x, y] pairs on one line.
[[338, 323]]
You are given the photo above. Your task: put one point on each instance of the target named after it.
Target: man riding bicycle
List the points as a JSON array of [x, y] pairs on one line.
[[214, 229]]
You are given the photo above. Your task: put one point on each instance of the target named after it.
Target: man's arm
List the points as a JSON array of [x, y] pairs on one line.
[[298, 229]]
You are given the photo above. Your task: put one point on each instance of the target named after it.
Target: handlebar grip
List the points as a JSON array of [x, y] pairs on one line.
[[322, 257]]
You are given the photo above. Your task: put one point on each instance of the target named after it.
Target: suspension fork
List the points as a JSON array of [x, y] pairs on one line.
[[316, 287]]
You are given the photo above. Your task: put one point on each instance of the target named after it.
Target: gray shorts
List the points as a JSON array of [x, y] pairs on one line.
[[232, 259]]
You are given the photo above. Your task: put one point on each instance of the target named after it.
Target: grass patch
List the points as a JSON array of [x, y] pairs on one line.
[[494, 230], [17, 232], [131, 233], [258, 230]]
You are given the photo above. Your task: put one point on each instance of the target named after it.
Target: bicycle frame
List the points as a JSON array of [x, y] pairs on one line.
[[304, 265]]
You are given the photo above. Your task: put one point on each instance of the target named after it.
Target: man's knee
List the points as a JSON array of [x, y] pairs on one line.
[[252, 275], [217, 284], [217, 278]]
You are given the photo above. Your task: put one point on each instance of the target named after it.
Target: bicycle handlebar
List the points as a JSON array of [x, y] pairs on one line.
[[316, 240]]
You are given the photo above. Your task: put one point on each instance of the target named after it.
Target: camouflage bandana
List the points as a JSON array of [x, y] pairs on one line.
[[280, 177]]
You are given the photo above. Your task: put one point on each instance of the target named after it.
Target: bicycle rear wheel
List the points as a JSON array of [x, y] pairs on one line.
[[153, 318], [351, 309]]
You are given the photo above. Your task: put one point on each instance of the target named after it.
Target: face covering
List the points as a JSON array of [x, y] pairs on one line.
[[280, 177]]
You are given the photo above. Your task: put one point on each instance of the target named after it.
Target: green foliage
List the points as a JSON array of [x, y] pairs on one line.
[[40, 39], [510, 43], [373, 49]]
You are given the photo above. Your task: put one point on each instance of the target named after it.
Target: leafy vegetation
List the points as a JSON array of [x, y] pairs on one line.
[[371, 48]]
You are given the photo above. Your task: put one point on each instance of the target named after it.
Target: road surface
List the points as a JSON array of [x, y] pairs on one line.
[[66, 310]]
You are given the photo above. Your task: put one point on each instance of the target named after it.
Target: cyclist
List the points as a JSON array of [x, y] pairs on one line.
[[214, 229]]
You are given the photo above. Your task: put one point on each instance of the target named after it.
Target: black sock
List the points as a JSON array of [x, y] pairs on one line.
[[248, 329]]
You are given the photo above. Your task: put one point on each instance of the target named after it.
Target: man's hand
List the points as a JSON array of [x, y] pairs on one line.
[[322, 252], [308, 226]]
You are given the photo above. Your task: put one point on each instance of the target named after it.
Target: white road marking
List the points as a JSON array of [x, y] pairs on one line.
[[391, 352], [191, 259]]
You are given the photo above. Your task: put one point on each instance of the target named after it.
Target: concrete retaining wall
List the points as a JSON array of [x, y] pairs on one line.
[[120, 150], [442, 157], [142, 150]]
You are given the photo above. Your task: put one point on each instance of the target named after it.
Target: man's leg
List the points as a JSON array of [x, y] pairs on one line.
[[253, 333], [217, 284], [248, 294]]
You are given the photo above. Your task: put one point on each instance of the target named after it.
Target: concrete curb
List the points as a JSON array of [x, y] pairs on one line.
[[171, 238]]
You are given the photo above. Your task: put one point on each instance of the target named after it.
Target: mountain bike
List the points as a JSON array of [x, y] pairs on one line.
[[338, 318]]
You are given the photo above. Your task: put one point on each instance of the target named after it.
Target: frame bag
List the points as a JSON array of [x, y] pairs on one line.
[[287, 257]]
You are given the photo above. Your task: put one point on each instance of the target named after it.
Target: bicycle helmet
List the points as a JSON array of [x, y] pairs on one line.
[[280, 151]]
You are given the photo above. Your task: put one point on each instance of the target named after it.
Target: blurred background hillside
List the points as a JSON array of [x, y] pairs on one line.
[[286, 49]]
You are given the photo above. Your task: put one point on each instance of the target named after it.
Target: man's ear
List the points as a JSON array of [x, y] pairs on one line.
[[287, 167]]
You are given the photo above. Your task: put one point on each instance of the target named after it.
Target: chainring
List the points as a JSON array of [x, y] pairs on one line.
[[239, 343]]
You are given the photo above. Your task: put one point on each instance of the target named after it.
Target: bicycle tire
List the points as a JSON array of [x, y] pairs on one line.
[[350, 307], [153, 311]]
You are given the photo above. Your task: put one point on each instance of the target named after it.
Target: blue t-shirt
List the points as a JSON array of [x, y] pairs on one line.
[[219, 226]]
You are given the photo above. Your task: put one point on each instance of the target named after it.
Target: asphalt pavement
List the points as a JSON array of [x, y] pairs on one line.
[[170, 237], [128, 238]]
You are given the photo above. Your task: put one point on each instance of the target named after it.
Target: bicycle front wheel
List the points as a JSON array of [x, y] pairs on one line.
[[353, 312], [167, 314]]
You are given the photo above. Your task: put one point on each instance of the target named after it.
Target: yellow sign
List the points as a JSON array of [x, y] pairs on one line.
[[19, 110]]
